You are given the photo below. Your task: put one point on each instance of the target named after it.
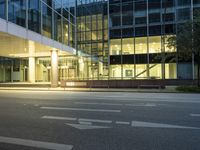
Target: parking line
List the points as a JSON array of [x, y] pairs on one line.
[[36, 144]]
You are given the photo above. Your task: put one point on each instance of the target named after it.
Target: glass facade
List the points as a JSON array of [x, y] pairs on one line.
[[139, 32], [54, 19], [115, 39]]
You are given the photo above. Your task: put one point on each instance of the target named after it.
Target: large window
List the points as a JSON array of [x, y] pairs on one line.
[[3, 9], [127, 46], [115, 71], [17, 12], [115, 47], [167, 48], [141, 45], [171, 71], [34, 15], [141, 71], [155, 44], [57, 27], [128, 71], [65, 32], [46, 21], [155, 71]]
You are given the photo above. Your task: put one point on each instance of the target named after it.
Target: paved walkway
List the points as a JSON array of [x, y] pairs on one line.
[[170, 89]]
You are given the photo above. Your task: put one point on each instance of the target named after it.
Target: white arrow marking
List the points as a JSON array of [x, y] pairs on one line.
[[36, 144], [195, 115], [158, 125], [81, 109], [86, 127]]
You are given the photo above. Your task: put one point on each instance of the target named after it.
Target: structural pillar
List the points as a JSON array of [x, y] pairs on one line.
[[54, 68], [31, 73]]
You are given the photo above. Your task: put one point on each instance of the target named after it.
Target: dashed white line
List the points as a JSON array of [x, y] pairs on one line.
[[158, 125], [109, 104], [36, 144], [81, 109], [122, 122], [195, 115], [59, 118], [95, 120]]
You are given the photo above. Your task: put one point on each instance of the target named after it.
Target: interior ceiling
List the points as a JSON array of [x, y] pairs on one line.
[[11, 46]]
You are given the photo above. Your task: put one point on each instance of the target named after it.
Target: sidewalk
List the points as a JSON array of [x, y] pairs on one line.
[[169, 89]]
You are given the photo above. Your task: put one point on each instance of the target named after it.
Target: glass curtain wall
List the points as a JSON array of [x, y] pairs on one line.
[[138, 37], [54, 19], [3, 9], [92, 38]]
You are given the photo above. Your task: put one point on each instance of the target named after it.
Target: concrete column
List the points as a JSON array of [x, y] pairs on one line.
[[31, 62], [31, 73], [54, 68]]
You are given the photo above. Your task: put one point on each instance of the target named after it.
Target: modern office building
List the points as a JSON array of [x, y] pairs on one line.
[[55, 40]]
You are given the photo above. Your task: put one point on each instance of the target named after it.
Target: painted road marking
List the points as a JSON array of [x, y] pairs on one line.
[[158, 125], [81, 109], [59, 118], [84, 123], [95, 120], [86, 127], [36, 144], [142, 105], [122, 122], [109, 104], [195, 115], [74, 119], [118, 104]]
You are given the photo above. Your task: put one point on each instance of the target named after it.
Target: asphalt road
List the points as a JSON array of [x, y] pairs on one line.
[[31, 120]]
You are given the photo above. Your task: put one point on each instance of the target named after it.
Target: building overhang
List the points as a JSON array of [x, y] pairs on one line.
[[16, 41]]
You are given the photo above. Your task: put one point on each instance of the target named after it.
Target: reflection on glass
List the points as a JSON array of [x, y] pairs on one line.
[[34, 15], [168, 49], [3, 9], [17, 12], [46, 21]]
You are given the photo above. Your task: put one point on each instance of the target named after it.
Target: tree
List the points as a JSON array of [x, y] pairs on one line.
[[187, 41]]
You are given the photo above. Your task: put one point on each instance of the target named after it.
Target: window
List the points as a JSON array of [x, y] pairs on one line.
[[141, 71], [17, 12], [115, 71], [155, 44], [155, 71], [170, 71], [34, 21], [127, 46], [47, 21], [141, 45], [115, 47], [3, 9]]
